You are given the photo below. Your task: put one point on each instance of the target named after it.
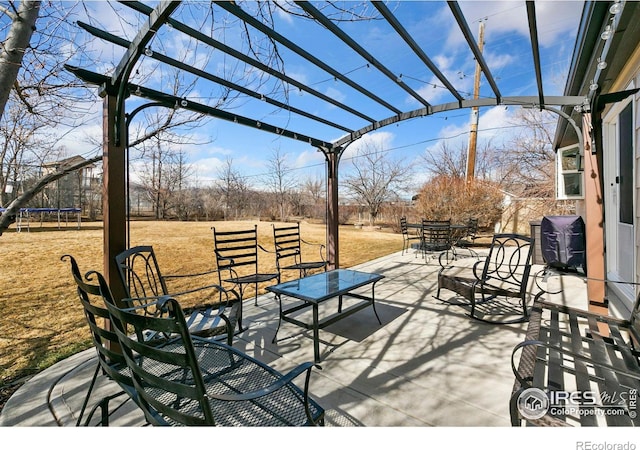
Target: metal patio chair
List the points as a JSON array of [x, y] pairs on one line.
[[197, 381], [502, 275], [288, 248], [407, 237], [218, 308], [436, 236], [236, 254], [110, 362]]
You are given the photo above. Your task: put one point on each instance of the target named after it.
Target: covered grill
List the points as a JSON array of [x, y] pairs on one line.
[[563, 242]]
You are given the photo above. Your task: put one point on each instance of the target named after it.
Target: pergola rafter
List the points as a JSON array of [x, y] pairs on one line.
[[213, 78], [473, 46], [533, 32], [324, 20], [238, 12], [402, 32], [248, 60], [349, 121]]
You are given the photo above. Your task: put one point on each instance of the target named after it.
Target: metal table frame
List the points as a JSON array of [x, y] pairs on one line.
[[316, 289]]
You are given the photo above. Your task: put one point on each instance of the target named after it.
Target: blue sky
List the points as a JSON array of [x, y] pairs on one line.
[[506, 50]]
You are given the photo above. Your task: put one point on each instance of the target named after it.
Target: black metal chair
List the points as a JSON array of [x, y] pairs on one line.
[[105, 341], [503, 274], [407, 237], [288, 248], [436, 236], [197, 381], [237, 256], [218, 308]]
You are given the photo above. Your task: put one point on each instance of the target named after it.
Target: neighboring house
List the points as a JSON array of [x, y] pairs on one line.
[[520, 211], [606, 68], [80, 189]]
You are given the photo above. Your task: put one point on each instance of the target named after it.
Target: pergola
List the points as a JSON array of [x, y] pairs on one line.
[[349, 122]]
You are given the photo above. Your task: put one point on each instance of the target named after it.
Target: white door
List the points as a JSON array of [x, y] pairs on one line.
[[619, 184]]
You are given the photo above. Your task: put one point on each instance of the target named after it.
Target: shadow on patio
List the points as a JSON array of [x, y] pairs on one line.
[[428, 364]]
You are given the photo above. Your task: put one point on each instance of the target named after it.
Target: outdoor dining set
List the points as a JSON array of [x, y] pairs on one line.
[[179, 365], [438, 238]]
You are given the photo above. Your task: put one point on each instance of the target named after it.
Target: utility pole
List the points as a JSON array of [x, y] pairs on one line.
[[473, 133]]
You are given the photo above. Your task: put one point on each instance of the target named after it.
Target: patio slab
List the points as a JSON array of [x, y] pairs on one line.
[[428, 364]]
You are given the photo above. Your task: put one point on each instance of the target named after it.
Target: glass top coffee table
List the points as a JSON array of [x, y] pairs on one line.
[[316, 289]]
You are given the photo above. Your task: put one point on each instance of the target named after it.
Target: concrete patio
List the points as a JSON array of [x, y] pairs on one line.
[[428, 364]]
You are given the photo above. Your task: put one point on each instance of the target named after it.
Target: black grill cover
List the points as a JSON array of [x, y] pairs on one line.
[[563, 242]]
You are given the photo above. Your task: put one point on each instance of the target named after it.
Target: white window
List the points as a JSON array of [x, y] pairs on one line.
[[569, 173]]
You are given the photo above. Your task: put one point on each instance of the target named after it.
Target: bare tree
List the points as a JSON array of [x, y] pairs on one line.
[[232, 188], [452, 162], [315, 190], [280, 181], [527, 163], [375, 178]]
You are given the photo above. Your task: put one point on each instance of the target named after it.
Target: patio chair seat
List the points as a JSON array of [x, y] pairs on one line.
[[226, 373], [305, 266], [253, 278]]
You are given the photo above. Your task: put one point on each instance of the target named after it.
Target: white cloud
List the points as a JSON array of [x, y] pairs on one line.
[[552, 17], [379, 139], [335, 94], [309, 158], [206, 169]]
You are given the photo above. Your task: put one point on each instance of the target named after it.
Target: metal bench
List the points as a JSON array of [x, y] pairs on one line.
[[576, 368]]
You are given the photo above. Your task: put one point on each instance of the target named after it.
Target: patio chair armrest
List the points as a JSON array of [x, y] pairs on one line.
[[226, 258], [265, 250], [478, 267], [189, 275], [322, 247], [226, 293], [516, 372], [276, 385]]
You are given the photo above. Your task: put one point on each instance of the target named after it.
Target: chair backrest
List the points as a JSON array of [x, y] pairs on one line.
[[236, 248], [472, 226], [509, 260], [139, 272], [286, 240], [166, 376], [436, 233], [93, 298], [403, 226]]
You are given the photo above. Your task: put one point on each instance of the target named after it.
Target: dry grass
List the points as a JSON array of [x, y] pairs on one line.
[[41, 319]]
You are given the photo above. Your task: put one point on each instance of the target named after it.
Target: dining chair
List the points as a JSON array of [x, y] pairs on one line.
[[288, 249], [236, 253]]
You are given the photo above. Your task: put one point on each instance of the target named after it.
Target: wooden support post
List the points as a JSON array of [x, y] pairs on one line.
[[114, 194], [594, 221], [332, 210]]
